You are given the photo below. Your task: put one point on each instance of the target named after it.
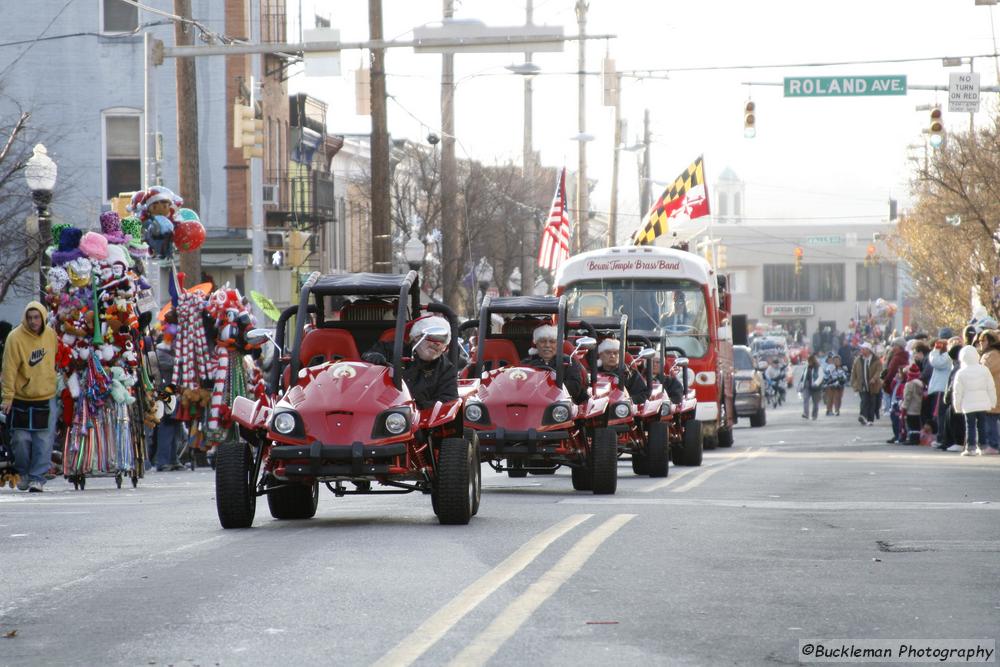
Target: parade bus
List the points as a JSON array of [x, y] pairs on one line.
[[672, 296]]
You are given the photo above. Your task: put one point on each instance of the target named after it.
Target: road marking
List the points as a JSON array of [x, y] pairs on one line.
[[812, 506], [705, 474], [435, 627], [517, 612], [668, 481]]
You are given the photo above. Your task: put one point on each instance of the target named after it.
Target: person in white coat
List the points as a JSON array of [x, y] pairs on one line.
[[975, 395]]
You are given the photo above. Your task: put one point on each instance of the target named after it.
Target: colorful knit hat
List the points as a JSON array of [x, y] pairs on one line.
[[94, 246], [69, 246], [111, 227]]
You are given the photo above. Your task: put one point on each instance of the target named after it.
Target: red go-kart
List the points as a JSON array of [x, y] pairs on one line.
[[345, 423], [523, 417]]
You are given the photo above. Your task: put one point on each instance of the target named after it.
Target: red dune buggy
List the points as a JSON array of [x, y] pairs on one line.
[[337, 420], [642, 428], [522, 416], [683, 430]]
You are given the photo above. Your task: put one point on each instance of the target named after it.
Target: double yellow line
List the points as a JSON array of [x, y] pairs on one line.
[[489, 641]]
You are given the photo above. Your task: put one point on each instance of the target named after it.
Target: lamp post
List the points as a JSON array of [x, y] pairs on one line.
[[413, 251], [40, 174]]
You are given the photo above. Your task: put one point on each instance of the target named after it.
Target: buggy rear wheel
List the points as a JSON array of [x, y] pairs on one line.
[[457, 489], [604, 461], [582, 478], [690, 452], [235, 497], [293, 501], [658, 456], [640, 465]]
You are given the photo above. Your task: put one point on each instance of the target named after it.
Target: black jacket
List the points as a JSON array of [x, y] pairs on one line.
[[673, 387], [431, 381], [574, 378], [634, 383]]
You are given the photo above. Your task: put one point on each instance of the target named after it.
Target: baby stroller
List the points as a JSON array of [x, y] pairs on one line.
[[8, 474]]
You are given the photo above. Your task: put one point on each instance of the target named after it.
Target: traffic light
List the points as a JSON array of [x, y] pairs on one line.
[[798, 259], [248, 131], [892, 210], [870, 255], [720, 254], [749, 120], [936, 128]]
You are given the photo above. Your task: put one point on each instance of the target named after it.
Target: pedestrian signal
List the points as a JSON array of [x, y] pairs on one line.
[[749, 120], [936, 127]]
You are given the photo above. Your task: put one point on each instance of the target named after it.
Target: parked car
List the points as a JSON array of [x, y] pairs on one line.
[[749, 386]]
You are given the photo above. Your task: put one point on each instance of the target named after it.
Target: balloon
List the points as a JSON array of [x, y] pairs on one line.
[[185, 214], [188, 235]]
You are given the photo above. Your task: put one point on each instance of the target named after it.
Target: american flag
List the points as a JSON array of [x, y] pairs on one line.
[[555, 236]]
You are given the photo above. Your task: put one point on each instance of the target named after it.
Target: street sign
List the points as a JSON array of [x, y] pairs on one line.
[[963, 92], [844, 86], [322, 63], [832, 239], [789, 310]]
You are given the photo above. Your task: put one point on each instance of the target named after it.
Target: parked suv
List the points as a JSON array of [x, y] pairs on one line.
[[748, 384]]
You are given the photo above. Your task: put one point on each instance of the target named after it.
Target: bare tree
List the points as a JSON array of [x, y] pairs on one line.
[[959, 181], [19, 250]]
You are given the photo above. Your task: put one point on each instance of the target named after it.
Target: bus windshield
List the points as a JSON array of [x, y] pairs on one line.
[[673, 308]]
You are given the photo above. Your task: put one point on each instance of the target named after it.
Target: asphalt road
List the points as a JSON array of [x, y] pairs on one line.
[[802, 530]]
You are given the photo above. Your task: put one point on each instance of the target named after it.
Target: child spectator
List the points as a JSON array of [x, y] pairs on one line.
[[913, 398]]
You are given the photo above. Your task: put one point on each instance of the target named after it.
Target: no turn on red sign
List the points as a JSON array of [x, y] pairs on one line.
[[963, 92]]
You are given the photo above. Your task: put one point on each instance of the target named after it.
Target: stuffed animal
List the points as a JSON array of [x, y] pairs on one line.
[[121, 384]]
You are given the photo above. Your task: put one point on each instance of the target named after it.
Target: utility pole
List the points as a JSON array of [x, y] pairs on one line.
[[451, 238], [529, 261], [257, 167], [645, 178], [187, 131], [582, 205], [613, 214], [381, 239]]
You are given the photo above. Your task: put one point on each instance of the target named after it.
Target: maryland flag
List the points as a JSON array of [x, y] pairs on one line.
[[687, 195]]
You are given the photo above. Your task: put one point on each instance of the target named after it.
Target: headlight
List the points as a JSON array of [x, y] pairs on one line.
[[622, 410], [744, 386], [473, 412], [705, 377], [284, 423], [560, 413], [396, 423]]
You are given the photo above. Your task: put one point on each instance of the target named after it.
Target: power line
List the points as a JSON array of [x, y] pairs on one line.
[[34, 41]]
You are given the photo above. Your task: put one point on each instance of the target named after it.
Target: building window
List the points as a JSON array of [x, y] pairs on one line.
[[122, 154], [816, 282], [118, 16], [737, 205], [876, 281], [738, 282], [723, 205]]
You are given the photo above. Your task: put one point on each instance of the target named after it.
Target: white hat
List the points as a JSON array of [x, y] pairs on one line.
[[544, 332], [866, 346], [425, 323], [609, 344]]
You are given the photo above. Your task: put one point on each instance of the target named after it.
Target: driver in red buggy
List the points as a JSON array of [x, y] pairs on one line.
[[608, 362], [429, 374], [543, 355]]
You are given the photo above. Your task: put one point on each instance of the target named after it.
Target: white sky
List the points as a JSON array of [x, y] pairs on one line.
[[812, 159]]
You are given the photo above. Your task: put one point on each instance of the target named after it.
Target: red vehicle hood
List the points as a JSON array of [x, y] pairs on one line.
[[340, 403], [516, 397]]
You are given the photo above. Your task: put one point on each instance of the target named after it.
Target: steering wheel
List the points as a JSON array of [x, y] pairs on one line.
[[679, 328]]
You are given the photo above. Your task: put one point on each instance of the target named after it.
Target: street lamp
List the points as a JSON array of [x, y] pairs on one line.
[[40, 174], [413, 251]]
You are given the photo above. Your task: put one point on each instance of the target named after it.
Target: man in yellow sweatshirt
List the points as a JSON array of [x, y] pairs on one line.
[[28, 396]]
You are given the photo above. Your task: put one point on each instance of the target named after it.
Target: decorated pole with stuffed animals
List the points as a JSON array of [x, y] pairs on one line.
[[93, 292]]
